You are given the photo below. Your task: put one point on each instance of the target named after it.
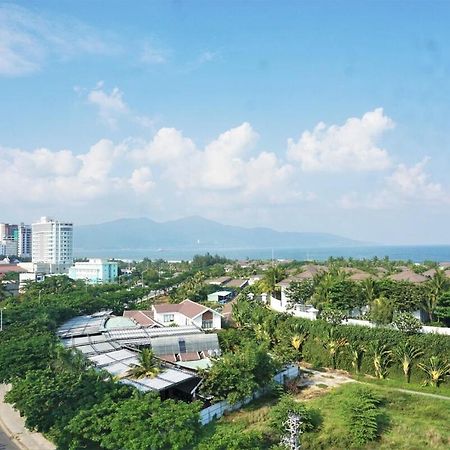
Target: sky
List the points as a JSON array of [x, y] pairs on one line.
[[299, 116]]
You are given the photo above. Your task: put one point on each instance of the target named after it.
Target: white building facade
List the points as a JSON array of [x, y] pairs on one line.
[[95, 271], [52, 244]]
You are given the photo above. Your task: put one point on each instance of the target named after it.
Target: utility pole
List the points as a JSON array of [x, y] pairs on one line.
[[1, 319]]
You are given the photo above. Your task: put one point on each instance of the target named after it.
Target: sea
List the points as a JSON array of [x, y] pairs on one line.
[[417, 253]]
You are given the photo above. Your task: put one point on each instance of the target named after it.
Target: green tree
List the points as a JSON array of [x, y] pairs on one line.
[[436, 288], [272, 276], [141, 422], [235, 376], [334, 344], [148, 366], [381, 311]]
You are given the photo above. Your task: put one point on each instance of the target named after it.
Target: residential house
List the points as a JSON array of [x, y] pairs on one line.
[[187, 313]]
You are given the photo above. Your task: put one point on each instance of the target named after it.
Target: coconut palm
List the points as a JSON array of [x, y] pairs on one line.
[[368, 288], [406, 354], [435, 370], [436, 287], [357, 352], [334, 345], [147, 367], [382, 358]]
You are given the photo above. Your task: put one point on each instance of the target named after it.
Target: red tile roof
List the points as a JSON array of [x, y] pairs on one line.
[[144, 318], [187, 307]]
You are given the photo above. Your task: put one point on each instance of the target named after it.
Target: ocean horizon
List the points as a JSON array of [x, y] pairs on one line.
[[415, 253]]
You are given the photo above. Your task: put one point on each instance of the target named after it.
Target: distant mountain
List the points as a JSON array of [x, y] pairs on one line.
[[191, 232]]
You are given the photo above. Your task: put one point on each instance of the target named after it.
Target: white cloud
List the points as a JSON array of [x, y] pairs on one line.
[[350, 147], [151, 54], [112, 107], [413, 182], [29, 39], [405, 185], [169, 171], [141, 180]]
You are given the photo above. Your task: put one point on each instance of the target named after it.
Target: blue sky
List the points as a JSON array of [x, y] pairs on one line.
[[308, 116]]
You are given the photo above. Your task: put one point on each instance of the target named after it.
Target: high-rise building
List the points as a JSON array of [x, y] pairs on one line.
[[52, 244], [25, 238], [8, 239]]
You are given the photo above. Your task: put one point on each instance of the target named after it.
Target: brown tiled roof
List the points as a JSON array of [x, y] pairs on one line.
[[409, 275], [187, 307], [236, 283], [144, 318], [6, 268], [162, 308], [169, 358], [191, 309], [189, 356], [429, 273]]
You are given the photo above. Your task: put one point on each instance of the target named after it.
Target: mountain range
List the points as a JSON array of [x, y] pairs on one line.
[[191, 232]]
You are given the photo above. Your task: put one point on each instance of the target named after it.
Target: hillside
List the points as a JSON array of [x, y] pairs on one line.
[[143, 233]]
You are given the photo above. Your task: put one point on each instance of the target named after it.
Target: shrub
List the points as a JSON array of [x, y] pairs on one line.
[[361, 413], [287, 404], [407, 323]]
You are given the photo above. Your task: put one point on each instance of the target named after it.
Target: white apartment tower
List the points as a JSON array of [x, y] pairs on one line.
[[52, 245], [24, 244]]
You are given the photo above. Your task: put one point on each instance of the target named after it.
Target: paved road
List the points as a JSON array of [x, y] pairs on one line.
[[5, 443]]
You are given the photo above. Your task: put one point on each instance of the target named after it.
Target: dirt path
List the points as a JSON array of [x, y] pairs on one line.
[[330, 378], [12, 427]]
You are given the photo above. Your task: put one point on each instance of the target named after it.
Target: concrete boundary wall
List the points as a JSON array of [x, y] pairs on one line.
[[217, 410]]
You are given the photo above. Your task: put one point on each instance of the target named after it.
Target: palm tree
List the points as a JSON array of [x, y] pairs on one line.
[[333, 345], [357, 352], [436, 287], [297, 342], [148, 366], [435, 370], [272, 276], [381, 359], [368, 287], [406, 354]]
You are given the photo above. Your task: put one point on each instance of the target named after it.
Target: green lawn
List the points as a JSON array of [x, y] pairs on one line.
[[405, 421]]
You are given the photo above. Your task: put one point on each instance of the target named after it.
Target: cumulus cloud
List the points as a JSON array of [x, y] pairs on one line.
[[405, 185], [169, 170], [349, 147], [112, 107], [28, 40]]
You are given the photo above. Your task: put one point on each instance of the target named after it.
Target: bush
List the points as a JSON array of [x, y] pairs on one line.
[[407, 323], [287, 404], [361, 414]]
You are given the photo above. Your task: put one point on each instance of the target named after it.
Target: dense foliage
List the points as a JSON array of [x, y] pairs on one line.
[[347, 347], [76, 406]]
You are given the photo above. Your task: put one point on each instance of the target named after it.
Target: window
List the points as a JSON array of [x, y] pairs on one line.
[[168, 318], [182, 345]]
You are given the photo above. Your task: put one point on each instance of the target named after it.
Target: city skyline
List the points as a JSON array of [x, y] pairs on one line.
[[327, 117]]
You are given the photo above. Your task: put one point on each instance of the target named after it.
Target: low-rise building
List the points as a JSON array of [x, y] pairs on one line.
[[187, 313], [95, 271], [220, 296]]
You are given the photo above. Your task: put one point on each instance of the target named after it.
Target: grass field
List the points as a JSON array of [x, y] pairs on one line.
[[405, 421]]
